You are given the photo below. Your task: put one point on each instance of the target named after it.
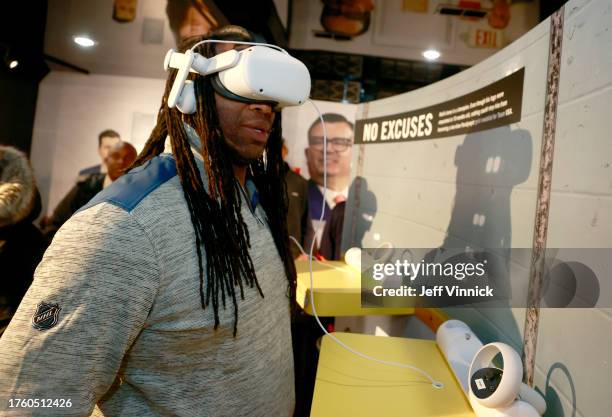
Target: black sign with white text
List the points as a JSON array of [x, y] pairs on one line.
[[495, 105]]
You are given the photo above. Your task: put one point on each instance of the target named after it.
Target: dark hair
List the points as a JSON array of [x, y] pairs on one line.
[[329, 118], [215, 215], [108, 133]]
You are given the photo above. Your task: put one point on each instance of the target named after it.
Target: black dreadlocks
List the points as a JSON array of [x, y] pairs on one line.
[[215, 215]]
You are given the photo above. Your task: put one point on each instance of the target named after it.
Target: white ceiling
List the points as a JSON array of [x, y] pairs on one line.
[[119, 49]]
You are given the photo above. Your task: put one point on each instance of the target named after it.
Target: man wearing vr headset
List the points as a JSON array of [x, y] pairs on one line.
[[170, 293]]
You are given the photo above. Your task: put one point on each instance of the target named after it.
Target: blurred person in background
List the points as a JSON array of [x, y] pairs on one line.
[[106, 140], [21, 243], [118, 158]]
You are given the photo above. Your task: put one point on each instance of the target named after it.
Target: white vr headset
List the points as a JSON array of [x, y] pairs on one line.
[[261, 73]]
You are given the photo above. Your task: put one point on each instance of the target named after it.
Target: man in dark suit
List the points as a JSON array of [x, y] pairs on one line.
[[119, 158], [106, 140], [339, 145]]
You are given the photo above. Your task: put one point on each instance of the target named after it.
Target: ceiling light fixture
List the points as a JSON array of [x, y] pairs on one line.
[[13, 64], [84, 41], [431, 54]]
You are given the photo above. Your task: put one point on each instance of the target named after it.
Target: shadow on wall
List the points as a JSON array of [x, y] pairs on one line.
[[554, 408], [489, 165], [359, 216], [573, 284]]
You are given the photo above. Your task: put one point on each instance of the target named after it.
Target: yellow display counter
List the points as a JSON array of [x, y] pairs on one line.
[[348, 385], [337, 291]]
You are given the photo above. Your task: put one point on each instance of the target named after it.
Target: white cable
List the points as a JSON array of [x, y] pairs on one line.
[[434, 382]]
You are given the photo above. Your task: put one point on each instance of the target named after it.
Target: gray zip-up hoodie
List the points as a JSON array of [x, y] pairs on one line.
[[113, 317]]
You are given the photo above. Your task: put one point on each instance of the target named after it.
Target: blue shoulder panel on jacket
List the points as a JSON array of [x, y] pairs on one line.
[[131, 188]]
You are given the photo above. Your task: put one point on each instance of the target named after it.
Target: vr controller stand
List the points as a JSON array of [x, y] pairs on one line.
[[492, 392], [495, 392]]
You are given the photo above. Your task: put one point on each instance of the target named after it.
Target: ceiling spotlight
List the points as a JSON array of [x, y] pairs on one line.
[[84, 41], [431, 54], [13, 64]]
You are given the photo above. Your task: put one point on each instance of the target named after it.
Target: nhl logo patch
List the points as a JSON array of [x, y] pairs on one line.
[[46, 316]]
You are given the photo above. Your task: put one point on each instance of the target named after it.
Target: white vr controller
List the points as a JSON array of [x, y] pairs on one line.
[[495, 392], [259, 73], [491, 391]]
